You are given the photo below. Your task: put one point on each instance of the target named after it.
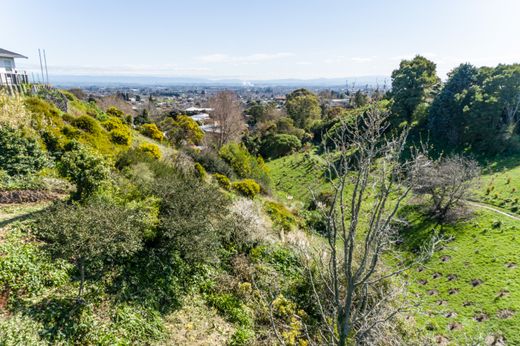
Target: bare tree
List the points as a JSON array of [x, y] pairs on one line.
[[369, 181], [227, 113], [447, 180]]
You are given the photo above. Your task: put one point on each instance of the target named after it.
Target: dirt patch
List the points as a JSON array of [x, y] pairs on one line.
[[436, 275], [476, 282], [466, 304], [454, 326], [452, 291], [442, 340], [452, 277], [511, 265], [433, 292], [505, 314], [481, 317], [495, 340], [450, 314], [28, 196], [503, 293], [445, 258], [442, 302], [423, 282]]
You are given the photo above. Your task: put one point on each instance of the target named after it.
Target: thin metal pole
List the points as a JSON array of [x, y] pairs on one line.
[[46, 71], [41, 65]]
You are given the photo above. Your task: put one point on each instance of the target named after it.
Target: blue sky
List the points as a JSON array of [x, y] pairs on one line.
[[264, 39]]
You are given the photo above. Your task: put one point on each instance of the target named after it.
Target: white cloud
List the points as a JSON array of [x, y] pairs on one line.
[[252, 58]]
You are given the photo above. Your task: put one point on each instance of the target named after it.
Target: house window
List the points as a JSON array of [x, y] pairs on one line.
[[8, 64]]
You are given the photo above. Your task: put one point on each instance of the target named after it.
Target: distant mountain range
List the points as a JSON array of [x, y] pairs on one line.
[[111, 81]]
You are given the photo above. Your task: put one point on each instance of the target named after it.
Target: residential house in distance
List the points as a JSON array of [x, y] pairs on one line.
[[9, 75]]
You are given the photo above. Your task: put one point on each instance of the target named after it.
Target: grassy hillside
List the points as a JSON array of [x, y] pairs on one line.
[[296, 175], [470, 289]]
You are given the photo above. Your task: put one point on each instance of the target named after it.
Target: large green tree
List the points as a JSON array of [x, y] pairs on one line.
[[413, 87], [447, 120], [303, 107]]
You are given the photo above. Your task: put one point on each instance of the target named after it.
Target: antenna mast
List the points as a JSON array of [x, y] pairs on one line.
[[46, 71], [41, 65]]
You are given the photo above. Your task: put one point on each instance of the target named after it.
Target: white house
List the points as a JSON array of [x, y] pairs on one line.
[[9, 75], [197, 109]]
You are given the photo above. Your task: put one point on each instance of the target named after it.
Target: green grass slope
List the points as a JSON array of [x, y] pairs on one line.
[[471, 287]]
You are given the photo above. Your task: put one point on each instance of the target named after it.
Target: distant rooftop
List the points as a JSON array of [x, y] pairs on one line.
[[8, 54]]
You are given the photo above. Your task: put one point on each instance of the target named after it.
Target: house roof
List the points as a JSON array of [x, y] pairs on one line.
[[8, 54]]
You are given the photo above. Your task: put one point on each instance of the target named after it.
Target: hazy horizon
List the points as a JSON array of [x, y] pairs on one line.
[[258, 41]]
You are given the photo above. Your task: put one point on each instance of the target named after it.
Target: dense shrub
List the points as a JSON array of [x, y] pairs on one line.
[[19, 155], [244, 164], [152, 131], [120, 136], [247, 187], [223, 181], [70, 132], [115, 112], [86, 123], [278, 145], [190, 213], [150, 149], [113, 123], [91, 233], [210, 160], [84, 168], [183, 129], [280, 215]]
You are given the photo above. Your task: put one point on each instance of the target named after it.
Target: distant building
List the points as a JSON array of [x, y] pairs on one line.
[[201, 117], [9, 75], [198, 110]]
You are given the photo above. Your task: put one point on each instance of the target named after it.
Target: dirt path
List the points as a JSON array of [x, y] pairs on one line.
[[488, 207]]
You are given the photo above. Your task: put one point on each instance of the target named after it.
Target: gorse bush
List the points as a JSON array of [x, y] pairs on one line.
[[152, 131], [115, 112], [150, 149], [247, 187], [113, 123], [121, 136], [86, 123], [281, 216], [19, 155], [200, 171], [223, 181]]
